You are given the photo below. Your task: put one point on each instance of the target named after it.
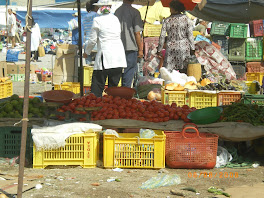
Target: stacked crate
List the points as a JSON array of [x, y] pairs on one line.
[[219, 33], [254, 52], [237, 48]]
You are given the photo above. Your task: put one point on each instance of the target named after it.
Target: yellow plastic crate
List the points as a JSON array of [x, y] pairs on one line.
[[88, 75], [69, 86], [6, 89], [168, 97], [258, 76], [152, 30], [251, 87], [201, 100], [80, 149], [130, 151]]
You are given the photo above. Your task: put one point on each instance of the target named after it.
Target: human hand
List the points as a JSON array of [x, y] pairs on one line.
[[85, 55], [140, 54], [192, 52], [159, 55]]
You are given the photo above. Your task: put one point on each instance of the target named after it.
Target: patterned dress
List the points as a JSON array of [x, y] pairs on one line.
[[179, 41]]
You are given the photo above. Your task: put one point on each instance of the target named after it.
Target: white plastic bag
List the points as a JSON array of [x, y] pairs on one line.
[[146, 133], [223, 157]]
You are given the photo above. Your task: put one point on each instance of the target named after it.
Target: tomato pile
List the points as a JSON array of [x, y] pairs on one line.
[[120, 108]]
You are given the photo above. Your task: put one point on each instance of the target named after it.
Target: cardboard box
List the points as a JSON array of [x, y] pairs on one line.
[[22, 68], [13, 68], [66, 66], [3, 69]]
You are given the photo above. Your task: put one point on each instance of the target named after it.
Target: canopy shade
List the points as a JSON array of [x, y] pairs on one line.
[[49, 18], [235, 11]]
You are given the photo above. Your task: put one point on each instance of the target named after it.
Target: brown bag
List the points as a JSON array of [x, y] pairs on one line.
[[41, 51]]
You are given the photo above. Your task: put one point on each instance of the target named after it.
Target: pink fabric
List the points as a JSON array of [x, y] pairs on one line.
[[213, 60]]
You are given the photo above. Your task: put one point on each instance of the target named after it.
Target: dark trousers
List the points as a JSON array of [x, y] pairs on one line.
[[99, 78], [129, 72], [35, 53]]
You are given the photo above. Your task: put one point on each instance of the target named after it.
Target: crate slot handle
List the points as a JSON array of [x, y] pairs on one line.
[[196, 130]]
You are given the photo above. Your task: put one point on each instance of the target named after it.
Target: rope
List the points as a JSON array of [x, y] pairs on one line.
[[28, 28], [24, 119]]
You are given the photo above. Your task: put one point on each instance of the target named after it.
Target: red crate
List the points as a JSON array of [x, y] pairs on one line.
[[256, 28], [253, 67], [191, 149]]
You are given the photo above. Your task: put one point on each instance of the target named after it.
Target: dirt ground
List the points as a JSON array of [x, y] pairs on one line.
[[76, 182]]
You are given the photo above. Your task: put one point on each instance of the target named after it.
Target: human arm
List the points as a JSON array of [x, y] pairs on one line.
[[162, 38], [91, 42], [190, 34], [139, 44]]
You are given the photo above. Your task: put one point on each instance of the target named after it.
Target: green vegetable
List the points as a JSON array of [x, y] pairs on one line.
[[117, 180]]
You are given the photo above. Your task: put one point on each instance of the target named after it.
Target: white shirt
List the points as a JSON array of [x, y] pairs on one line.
[[106, 32], [35, 37], [11, 21]]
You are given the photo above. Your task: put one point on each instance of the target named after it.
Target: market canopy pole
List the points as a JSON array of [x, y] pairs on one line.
[[26, 100], [80, 45]]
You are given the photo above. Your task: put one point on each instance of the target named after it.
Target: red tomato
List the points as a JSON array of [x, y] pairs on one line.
[[155, 120], [171, 116], [187, 120], [162, 115], [60, 110], [176, 117], [83, 112], [185, 107], [72, 106], [79, 106], [183, 116], [109, 116], [102, 118], [77, 112], [166, 119], [179, 113], [173, 104], [82, 119], [166, 113]]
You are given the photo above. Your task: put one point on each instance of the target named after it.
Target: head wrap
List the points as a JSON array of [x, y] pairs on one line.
[[105, 10]]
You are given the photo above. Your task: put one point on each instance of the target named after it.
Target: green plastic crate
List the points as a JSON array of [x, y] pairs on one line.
[[253, 99], [254, 49], [10, 141], [237, 48], [220, 28], [238, 30]]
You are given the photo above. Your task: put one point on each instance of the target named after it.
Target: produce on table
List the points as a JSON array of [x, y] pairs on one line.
[[223, 84], [190, 85], [239, 112], [120, 108], [174, 87], [13, 108], [154, 95]]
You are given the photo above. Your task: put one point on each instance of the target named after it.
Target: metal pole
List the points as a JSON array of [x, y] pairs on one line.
[[80, 45], [26, 100], [6, 26]]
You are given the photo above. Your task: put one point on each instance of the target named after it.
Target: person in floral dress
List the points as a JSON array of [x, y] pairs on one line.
[[180, 42]]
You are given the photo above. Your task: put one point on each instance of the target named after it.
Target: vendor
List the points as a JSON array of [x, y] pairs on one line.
[[201, 27], [110, 58], [180, 43]]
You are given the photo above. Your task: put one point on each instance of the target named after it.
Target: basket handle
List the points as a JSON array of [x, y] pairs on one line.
[[195, 129], [191, 124]]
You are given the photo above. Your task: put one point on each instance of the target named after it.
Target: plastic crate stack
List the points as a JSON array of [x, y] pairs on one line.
[[254, 54], [220, 33]]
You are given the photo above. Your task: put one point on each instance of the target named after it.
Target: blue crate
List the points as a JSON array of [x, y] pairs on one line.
[[201, 38], [12, 56]]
